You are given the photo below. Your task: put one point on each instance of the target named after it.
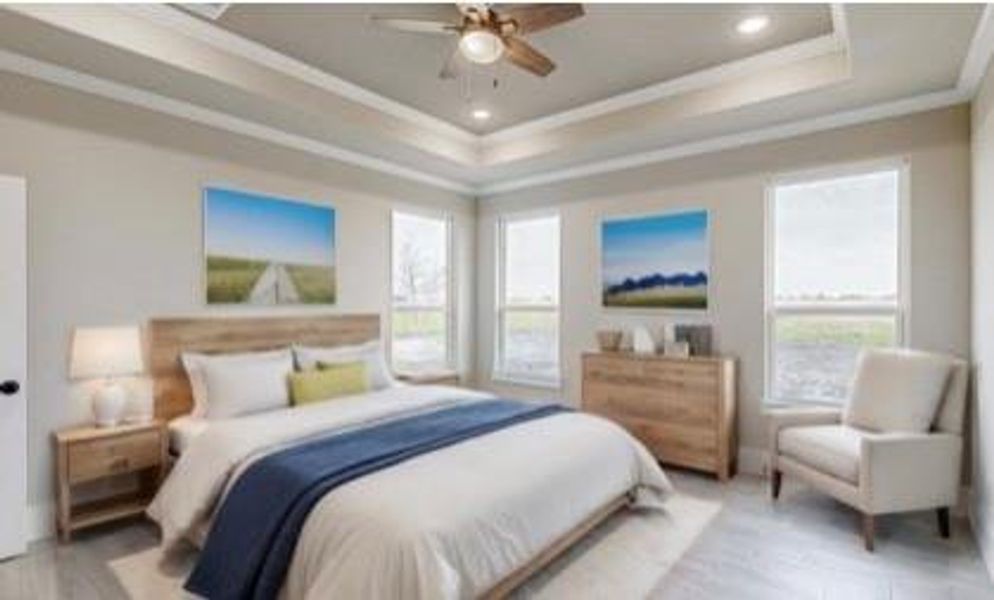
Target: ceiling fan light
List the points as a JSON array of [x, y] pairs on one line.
[[481, 46]]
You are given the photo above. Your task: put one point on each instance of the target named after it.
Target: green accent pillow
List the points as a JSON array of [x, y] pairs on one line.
[[328, 381]]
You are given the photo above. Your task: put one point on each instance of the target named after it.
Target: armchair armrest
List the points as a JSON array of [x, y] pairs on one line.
[[782, 418], [909, 471]]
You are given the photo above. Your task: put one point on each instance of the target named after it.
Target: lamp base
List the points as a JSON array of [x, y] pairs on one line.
[[108, 404]]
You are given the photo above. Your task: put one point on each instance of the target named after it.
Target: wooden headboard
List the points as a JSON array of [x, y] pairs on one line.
[[168, 338]]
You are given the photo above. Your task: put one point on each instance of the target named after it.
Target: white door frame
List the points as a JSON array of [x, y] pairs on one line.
[[13, 366]]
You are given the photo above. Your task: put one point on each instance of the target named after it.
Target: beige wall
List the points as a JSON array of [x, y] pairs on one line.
[[732, 185], [982, 505], [114, 233], [115, 230]]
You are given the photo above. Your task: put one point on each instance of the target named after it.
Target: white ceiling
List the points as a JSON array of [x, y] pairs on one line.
[[612, 49], [614, 111]]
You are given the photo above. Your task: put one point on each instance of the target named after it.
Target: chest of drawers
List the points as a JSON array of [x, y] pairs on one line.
[[682, 409]]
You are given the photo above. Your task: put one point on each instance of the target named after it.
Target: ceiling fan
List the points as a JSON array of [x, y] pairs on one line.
[[487, 33]]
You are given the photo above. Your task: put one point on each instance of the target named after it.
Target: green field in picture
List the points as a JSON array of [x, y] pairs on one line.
[[243, 281]]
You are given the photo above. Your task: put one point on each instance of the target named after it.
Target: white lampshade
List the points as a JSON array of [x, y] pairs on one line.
[[105, 352]]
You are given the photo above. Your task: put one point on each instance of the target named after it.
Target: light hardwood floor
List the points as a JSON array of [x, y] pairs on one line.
[[804, 546]]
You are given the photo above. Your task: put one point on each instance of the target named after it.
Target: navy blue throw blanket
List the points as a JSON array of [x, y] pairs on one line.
[[252, 540]]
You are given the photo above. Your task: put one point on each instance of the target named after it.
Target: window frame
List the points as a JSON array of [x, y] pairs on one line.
[[900, 310], [451, 300], [499, 373]]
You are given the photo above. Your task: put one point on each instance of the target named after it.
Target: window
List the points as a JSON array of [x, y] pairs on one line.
[[835, 280], [528, 301], [421, 319]]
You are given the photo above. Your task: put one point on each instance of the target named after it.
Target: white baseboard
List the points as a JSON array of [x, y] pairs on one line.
[[982, 532], [985, 539], [753, 461], [41, 521], [963, 507]]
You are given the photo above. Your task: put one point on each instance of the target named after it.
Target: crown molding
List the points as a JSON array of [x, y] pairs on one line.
[[840, 25], [58, 75], [208, 10], [979, 54], [876, 112], [55, 74]]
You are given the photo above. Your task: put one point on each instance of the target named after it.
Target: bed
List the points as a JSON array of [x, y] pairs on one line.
[[471, 519]]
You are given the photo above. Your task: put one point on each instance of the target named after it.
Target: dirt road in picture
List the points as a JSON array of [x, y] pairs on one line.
[[274, 286]]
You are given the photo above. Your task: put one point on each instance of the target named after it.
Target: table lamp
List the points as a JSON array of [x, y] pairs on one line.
[[106, 353]]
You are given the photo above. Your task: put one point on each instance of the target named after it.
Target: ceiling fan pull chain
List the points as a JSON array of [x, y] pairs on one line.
[[466, 83]]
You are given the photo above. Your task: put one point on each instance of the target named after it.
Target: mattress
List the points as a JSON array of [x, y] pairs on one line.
[[438, 526]]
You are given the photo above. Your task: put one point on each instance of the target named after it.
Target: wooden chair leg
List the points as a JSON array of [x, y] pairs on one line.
[[943, 517], [869, 530], [776, 479]]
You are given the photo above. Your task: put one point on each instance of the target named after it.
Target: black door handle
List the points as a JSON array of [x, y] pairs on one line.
[[9, 388]]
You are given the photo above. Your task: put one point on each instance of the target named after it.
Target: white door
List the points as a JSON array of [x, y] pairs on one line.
[[13, 366]]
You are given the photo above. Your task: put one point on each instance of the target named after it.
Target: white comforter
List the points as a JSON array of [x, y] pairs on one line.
[[448, 524]]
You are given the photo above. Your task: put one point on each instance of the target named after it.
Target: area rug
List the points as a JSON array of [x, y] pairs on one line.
[[625, 557]]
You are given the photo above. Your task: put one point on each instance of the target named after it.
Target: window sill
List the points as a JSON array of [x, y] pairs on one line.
[[525, 381], [428, 376], [770, 404], [430, 371]]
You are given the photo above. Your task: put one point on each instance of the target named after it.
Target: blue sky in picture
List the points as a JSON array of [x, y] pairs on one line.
[[253, 226], [665, 244]]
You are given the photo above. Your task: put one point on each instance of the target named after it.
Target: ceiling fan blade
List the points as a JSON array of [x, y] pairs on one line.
[[416, 25], [536, 17], [527, 57], [477, 12]]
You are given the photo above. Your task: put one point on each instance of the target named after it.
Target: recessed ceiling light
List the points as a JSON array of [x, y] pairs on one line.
[[481, 114], [753, 25]]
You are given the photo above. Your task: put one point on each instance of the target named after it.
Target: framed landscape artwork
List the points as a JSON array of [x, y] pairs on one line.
[[262, 250], [656, 261]]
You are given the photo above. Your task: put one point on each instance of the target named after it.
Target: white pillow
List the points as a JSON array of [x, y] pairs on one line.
[[243, 387], [194, 364], [371, 353], [897, 390]]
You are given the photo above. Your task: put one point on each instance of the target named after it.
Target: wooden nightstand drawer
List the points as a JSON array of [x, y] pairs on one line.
[[98, 458]]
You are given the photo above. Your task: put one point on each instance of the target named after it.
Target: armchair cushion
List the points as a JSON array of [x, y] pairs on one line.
[[897, 390], [831, 449]]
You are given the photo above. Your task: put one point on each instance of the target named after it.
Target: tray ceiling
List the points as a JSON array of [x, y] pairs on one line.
[[613, 49], [874, 61]]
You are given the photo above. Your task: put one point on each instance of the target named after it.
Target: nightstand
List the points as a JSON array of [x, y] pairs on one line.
[[439, 378], [87, 457]]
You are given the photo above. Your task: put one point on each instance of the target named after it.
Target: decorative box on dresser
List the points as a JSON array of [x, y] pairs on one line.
[[682, 409]]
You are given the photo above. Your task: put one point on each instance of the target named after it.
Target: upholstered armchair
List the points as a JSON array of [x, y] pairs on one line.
[[895, 447]]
